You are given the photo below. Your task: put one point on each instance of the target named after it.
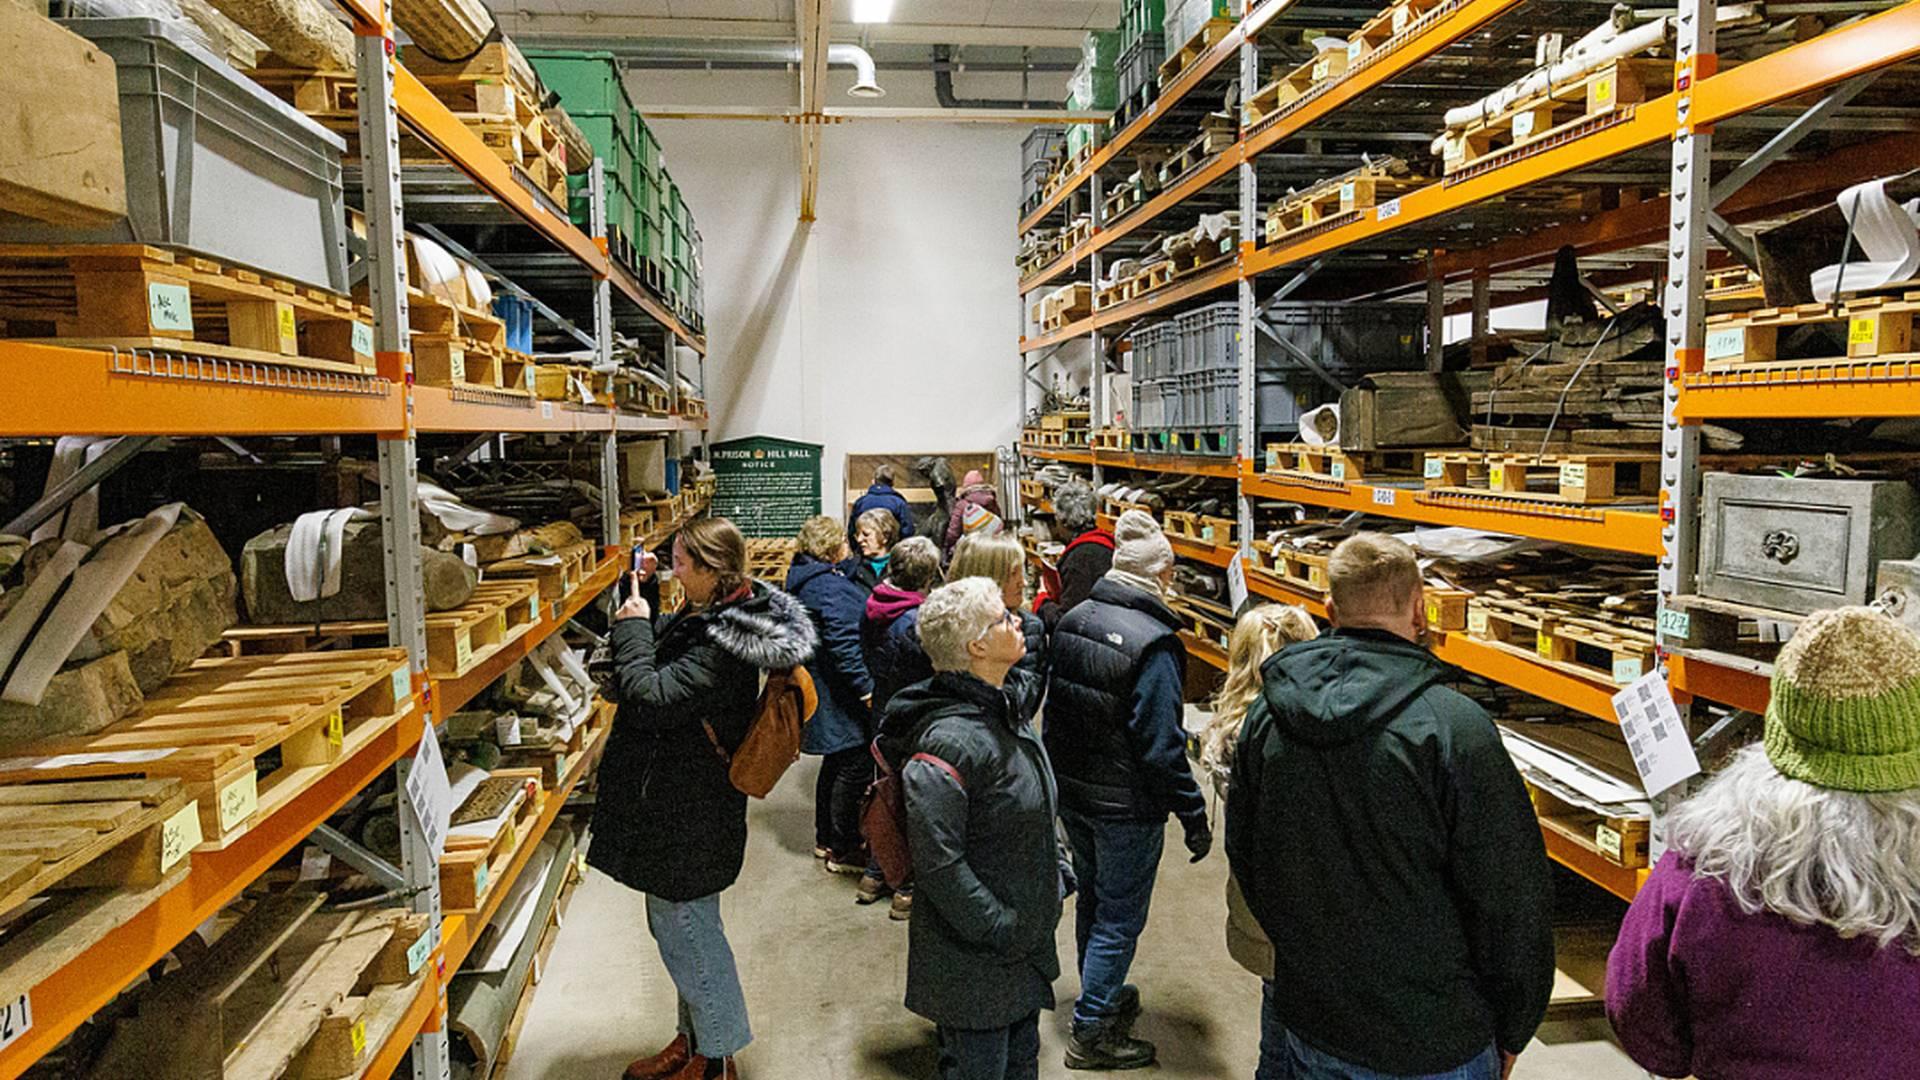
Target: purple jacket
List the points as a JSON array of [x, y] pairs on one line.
[[1696, 985]]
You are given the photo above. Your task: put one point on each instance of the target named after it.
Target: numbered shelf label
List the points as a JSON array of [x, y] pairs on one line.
[[1674, 624], [16, 1019], [1385, 496]]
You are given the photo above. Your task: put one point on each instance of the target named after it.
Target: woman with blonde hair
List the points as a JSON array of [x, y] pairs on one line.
[[1259, 633], [874, 534], [1001, 560], [1779, 936]]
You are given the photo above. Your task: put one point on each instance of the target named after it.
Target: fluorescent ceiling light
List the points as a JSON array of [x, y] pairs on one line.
[[872, 11]]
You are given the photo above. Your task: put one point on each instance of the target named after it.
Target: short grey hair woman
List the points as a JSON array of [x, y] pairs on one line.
[[1773, 937]]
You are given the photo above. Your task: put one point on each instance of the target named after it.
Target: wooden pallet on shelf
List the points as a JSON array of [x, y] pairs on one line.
[[476, 858], [1328, 67], [1590, 648], [1621, 841], [1582, 479], [770, 559], [1112, 438], [1334, 202], [1204, 619], [1872, 326], [243, 735], [91, 833], [499, 613], [556, 573], [1344, 466], [1607, 94], [1217, 137], [1395, 21], [1200, 528], [141, 296], [455, 344], [1189, 53]]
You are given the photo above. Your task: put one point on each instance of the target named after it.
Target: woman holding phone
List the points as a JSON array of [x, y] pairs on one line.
[[670, 823]]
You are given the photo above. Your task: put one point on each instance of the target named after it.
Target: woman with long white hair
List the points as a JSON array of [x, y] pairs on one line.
[[1779, 937]]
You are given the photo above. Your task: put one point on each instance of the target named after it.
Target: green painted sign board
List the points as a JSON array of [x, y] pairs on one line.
[[766, 486]]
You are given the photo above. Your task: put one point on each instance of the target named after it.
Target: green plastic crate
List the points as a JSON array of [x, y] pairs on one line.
[[587, 80], [651, 202], [649, 239], [681, 217], [1102, 48], [621, 209], [607, 134]]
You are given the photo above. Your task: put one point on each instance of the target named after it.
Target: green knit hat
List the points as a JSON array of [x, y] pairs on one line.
[[1845, 711]]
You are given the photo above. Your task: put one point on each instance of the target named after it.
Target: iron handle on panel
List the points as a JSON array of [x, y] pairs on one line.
[[1780, 545]]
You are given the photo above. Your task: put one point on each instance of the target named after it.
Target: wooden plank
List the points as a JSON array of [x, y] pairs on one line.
[[60, 108]]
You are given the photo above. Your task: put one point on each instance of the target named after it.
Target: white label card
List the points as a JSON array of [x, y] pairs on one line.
[[402, 686], [239, 800], [362, 339], [179, 835], [428, 794], [314, 864], [1434, 469], [169, 307], [1338, 468], [16, 1019], [1656, 736], [506, 730], [546, 410], [1237, 579], [1675, 624], [1723, 344], [1388, 210], [1383, 496], [418, 952]]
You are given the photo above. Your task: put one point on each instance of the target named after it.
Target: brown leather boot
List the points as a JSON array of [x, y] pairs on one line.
[[697, 1068], [664, 1064]]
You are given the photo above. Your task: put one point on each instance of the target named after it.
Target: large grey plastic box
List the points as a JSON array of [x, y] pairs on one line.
[[1801, 544], [215, 163]]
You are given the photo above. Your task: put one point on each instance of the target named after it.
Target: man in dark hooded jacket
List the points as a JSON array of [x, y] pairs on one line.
[[1384, 840], [880, 495]]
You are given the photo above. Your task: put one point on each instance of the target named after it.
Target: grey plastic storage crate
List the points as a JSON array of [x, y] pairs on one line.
[[1209, 399], [1139, 66], [1354, 337], [1041, 145], [214, 163], [1210, 340], [1156, 351], [1149, 408]]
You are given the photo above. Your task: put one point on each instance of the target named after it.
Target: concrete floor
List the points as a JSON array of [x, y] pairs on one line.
[[824, 979]]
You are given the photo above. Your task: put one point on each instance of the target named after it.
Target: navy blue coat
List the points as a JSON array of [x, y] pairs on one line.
[[880, 497], [839, 670]]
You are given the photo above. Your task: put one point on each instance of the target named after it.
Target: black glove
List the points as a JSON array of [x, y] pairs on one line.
[[1199, 837]]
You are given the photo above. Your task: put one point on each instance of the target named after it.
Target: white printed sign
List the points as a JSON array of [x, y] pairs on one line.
[[428, 794], [1237, 580], [1656, 736], [16, 1019]]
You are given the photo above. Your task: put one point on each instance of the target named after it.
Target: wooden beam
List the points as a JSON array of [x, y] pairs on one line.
[[813, 25]]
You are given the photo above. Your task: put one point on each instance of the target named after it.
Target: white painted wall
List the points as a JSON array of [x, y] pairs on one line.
[[887, 326]]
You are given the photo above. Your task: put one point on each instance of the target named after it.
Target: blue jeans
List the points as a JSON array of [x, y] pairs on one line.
[[1312, 1064], [1116, 862], [1008, 1053], [693, 945], [1275, 1063]]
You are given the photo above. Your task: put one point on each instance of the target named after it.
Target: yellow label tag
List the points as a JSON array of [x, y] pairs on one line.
[[1496, 476], [358, 1033], [1317, 576], [1543, 644], [1433, 612], [500, 624], [1477, 622], [289, 330], [336, 728], [1862, 330], [1573, 475], [179, 835], [239, 800], [1603, 92]]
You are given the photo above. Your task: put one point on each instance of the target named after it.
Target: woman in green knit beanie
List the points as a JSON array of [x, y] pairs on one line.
[[1779, 937]]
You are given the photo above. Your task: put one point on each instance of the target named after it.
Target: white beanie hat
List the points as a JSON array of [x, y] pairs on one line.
[[1139, 547]]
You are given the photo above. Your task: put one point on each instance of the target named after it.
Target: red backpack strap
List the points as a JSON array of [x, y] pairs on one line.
[[941, 764]]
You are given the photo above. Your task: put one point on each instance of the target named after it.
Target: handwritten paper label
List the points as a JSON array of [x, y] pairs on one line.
[[179, 835], [1477, 622], [1273, 459], [362, 339], [457, 366], [16, 1019], [1656, 736], [1346, 195], [1675, 625], [1402, 15], [1435, 469], [546, 410], [1355, 49], [1573, 475], [169, 307], [479, 878], [1607, 840], [1523, 123], [533, 609], [1385, 496], [418, 952], [1727, 344], [462, 648], [1322, 68], [402, 686], [239, 800]]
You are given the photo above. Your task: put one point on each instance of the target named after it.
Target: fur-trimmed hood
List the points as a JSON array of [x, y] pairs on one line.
[[769, 629]]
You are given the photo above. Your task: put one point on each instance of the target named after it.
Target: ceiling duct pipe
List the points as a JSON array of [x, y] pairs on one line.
[[943, 88], [865, 82]]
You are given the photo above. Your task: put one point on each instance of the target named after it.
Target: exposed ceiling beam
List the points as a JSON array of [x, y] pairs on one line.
[[842, 114], [533, 24], [813, 24]]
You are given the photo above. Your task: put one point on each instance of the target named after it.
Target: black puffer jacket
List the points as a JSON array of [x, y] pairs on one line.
[[669, 822], [980, 950]]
